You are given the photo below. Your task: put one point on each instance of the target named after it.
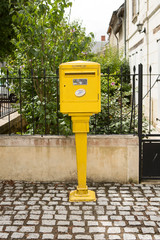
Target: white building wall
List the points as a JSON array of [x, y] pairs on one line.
[[113, 40], [120, 37], [144, 48]]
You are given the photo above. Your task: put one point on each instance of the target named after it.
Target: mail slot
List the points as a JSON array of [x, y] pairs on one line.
[[80, 87]]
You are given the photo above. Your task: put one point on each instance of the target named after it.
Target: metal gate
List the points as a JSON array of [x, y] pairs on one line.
[[151, 159], [149, 140]]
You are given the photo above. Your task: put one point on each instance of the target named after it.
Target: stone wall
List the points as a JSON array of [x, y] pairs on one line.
[[113, 158]]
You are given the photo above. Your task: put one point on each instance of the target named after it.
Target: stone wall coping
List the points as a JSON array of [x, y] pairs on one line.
[[55, 141]]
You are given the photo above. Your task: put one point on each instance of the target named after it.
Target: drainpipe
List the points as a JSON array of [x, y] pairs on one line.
[[146, 36], [125, 15], [158, 104]]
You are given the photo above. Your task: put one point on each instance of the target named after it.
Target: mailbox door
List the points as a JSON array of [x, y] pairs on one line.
[[80, 90]]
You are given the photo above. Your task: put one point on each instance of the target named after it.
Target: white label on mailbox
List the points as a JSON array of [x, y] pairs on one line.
[[80, 92], [81, 81]]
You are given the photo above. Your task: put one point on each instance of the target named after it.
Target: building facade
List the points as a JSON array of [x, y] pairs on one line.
[[143, 46], [116, 28], [139, 37]]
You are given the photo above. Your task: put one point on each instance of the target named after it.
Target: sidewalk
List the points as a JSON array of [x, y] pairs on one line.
[[42, 211]]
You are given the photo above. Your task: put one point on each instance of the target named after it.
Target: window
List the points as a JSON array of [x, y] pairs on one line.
[[135, 9]]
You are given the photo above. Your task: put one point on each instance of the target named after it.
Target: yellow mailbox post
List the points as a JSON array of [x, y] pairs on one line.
[[80, 98]]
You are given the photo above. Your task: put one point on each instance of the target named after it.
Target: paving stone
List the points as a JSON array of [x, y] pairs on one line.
[[31, 222], [77, 212], [9, 212], [110, 212], [119, 223], [128, 203], [84, 237], [4, 235], [155, 218], [148, 230], [18, 217], [11, 229], [74, 208], [48, 222], [46, 229], [118, 218], [106, 223], [78, 223], [124, 213], [5, 203], [114, 230], [48, 208], [27, 229], [134, 223], [62, 212], [23, 212], [65, 236], [48, 216], [155, 199], [17, 235], [33, 207], [33, 236], [75, 217], [34, 217], [157, 237], [129, 236], [151, 208], [99, 237], [63, 229], [78, 230], [19, 223], [131, 230], [150, 212], [53, 203], [102, 217], [96, 229], [5, 223], [87, 208], [149, 223], [124, 208], [64, 223], [145, 237], [48, 236], [92, 223], [142, 218], [114, 237]]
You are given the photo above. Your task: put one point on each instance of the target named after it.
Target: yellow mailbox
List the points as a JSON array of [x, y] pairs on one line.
[[80, 87], [80, 98]]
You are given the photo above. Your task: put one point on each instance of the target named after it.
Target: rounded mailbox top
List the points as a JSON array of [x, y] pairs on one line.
[[79, 63]]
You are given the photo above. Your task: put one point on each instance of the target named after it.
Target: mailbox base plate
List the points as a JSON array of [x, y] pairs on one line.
[[75, 196]]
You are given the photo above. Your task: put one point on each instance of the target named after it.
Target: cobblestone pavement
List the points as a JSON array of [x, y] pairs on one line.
[[42, 211]]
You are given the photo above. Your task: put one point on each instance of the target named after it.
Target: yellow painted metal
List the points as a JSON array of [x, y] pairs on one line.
[[80, 98], [80, 128], [80, 76]]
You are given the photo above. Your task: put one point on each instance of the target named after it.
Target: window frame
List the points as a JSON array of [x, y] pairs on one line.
[[135, 10]]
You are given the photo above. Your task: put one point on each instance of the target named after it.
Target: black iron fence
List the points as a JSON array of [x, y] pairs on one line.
[[35, 99], [6, 98]]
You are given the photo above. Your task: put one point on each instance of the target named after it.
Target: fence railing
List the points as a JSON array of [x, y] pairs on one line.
[[6, 98], [36, 100]]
